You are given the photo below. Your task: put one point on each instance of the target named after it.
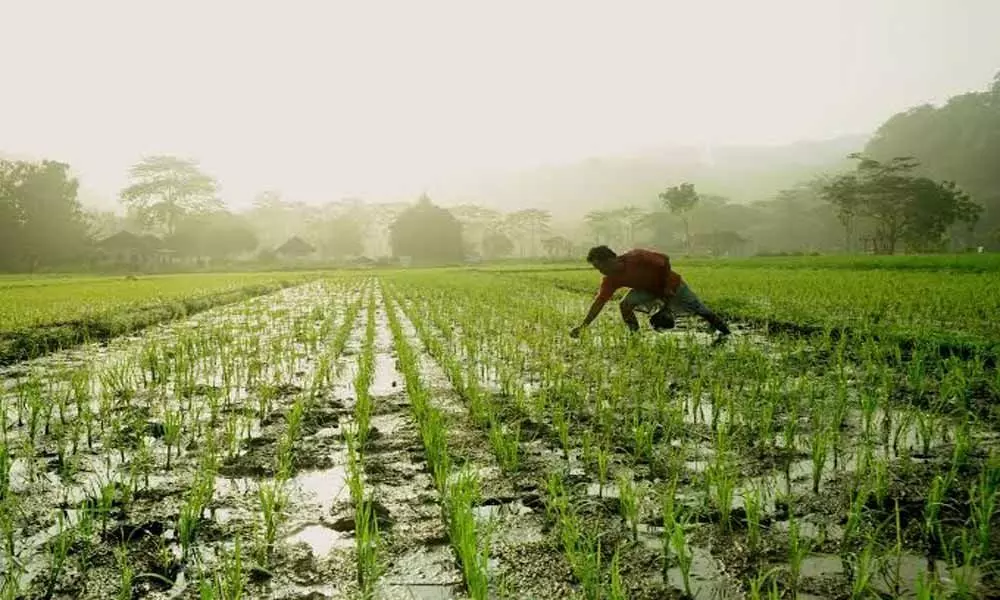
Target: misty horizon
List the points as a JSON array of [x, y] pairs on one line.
[[387, 100]]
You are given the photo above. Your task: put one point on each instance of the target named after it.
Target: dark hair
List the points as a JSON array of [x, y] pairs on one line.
[[599, 253]]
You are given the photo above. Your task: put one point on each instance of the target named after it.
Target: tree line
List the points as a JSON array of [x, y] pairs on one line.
[[172, 211], [926, 181]]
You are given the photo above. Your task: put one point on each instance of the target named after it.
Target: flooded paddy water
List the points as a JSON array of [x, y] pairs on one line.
[[390, 438]]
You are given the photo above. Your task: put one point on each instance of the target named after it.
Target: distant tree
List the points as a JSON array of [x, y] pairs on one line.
[[41, 221], [476, 221], [679, 200], [427, 233], [273, 219], [529, 223], [958, 141], [844, 193], [343, 236], [630, 219], [931, 209], [602, 225], [497, 245], [557, 247], [216, 235], [164, 189], [381, 218], [902, 206]]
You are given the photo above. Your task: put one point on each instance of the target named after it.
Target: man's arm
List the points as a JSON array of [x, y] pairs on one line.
[[605, 293], [595, 309]]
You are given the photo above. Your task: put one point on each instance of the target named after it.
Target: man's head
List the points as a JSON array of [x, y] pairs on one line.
[[603, 259]]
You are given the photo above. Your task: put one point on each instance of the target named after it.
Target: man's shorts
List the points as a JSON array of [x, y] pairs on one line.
[[683, 302]]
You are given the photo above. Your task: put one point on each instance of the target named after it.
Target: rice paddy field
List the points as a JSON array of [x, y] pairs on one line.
[[42, 313], [436, 434]]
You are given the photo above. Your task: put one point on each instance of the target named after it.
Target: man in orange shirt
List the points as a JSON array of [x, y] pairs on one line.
[[655, 287]]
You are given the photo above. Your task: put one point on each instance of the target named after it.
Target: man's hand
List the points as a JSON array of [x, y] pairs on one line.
[[575, 332]]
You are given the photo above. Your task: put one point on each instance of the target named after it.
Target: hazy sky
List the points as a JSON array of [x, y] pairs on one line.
[[323, 99]]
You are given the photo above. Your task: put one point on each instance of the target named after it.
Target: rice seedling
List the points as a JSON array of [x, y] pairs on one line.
[[105, 500], [583, 552], [367, 544], [721, 481], [880, 480], [819, 449], [226, 581], [864, 568], [506, 446], [125, 572], [472, 552], [643, 433], [962, 558], [983, 504], [187, 523], [682, 553], [603, 456], [10, 583], [799, 548], [273, 500], [894, 572], [616, 590], [928, 587], [753, 505], [629, 501], [932, 511], [962, 447], [58, 548], [172, 421], [758, 586], [561, 424], [6, 462]]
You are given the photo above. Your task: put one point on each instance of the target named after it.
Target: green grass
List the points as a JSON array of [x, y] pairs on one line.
[[948, 307], [972, 263], [30, 301], [40, 314]]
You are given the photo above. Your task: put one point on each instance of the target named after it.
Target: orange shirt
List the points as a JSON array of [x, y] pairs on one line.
[[646, 271]]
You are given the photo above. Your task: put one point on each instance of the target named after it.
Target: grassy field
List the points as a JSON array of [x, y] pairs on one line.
[[39, 313], [914, 298], [976, 263], [436, 433]]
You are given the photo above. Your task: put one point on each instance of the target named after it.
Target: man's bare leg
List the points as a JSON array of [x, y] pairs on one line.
[[628, 315]]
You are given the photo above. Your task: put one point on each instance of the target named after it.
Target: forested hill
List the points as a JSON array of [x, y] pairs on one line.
[[744, 174]]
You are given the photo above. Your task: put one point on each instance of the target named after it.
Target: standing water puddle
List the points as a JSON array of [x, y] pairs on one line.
[[323, 487], [320, 539]]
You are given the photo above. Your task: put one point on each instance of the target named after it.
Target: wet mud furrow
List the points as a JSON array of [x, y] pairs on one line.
[[418, 561], [524, 562]]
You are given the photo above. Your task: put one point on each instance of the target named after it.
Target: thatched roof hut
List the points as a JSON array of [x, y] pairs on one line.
[[295, 247]]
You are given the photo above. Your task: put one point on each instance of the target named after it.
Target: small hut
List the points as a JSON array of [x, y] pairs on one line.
[[295, 247]]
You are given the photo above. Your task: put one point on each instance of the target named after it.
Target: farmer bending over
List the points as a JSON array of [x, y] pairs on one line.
[[655, 288]]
